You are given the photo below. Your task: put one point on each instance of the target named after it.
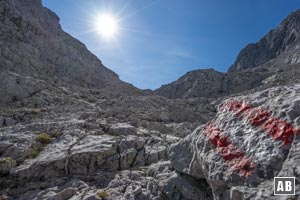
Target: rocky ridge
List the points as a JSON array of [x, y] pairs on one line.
[[210, 83], [279, 46], [272, 61]]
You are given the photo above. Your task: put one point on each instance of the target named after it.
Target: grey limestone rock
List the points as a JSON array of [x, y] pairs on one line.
[[196, 155], [122, 129]]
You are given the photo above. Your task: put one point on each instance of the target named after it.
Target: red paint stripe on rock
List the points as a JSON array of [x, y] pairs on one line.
[[234, 156], [276, 127]]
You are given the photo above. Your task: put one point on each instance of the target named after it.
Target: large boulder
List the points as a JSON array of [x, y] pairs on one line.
[[122, 129], [251, 140], [71, 156]]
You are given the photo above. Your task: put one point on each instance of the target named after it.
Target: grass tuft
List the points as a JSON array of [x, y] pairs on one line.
[[35, 151], [102, 194], [6, 160], [43, 138]]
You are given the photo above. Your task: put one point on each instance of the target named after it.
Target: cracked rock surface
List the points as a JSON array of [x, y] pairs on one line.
[[197, 156]]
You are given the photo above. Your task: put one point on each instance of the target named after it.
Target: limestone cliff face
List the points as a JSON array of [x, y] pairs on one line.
[[32, 43], [280, 44]]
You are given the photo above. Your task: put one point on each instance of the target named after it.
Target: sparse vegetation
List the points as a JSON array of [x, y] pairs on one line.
[[43, 138], [91, 99], [102, 194], [35, 151], [34, 111], [6, 160], [6, 164]]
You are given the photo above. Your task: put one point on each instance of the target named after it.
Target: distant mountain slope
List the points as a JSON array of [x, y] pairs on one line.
[[32, 44], [194, 83], [280, 44], [274, 60], [210, 83]]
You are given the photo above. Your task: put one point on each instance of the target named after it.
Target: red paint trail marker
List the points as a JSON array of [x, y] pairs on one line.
[[234, 156], [276, 127]]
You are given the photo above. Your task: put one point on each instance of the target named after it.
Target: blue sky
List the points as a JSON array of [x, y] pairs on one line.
[[160, 40]]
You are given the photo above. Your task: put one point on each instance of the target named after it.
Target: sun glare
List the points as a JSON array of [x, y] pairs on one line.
[[107, 25]]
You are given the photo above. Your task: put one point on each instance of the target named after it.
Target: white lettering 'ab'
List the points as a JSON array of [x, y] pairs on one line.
[[280, 186]]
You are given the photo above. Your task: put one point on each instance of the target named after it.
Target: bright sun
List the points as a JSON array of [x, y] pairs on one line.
[[107, 25]]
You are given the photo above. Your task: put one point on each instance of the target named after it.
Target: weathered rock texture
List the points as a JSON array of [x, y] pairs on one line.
[[252, 139], [93, 143]]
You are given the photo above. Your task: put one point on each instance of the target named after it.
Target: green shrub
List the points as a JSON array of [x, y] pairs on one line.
[[102, 194], [43, 138], [6, 160], [35, 151], [6, 164], [34, 111]]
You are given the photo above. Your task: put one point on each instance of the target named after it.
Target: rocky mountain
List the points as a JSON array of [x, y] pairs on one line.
[[34, 45], [274, 60], [70, 129], [211, 83], [280, 46]]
